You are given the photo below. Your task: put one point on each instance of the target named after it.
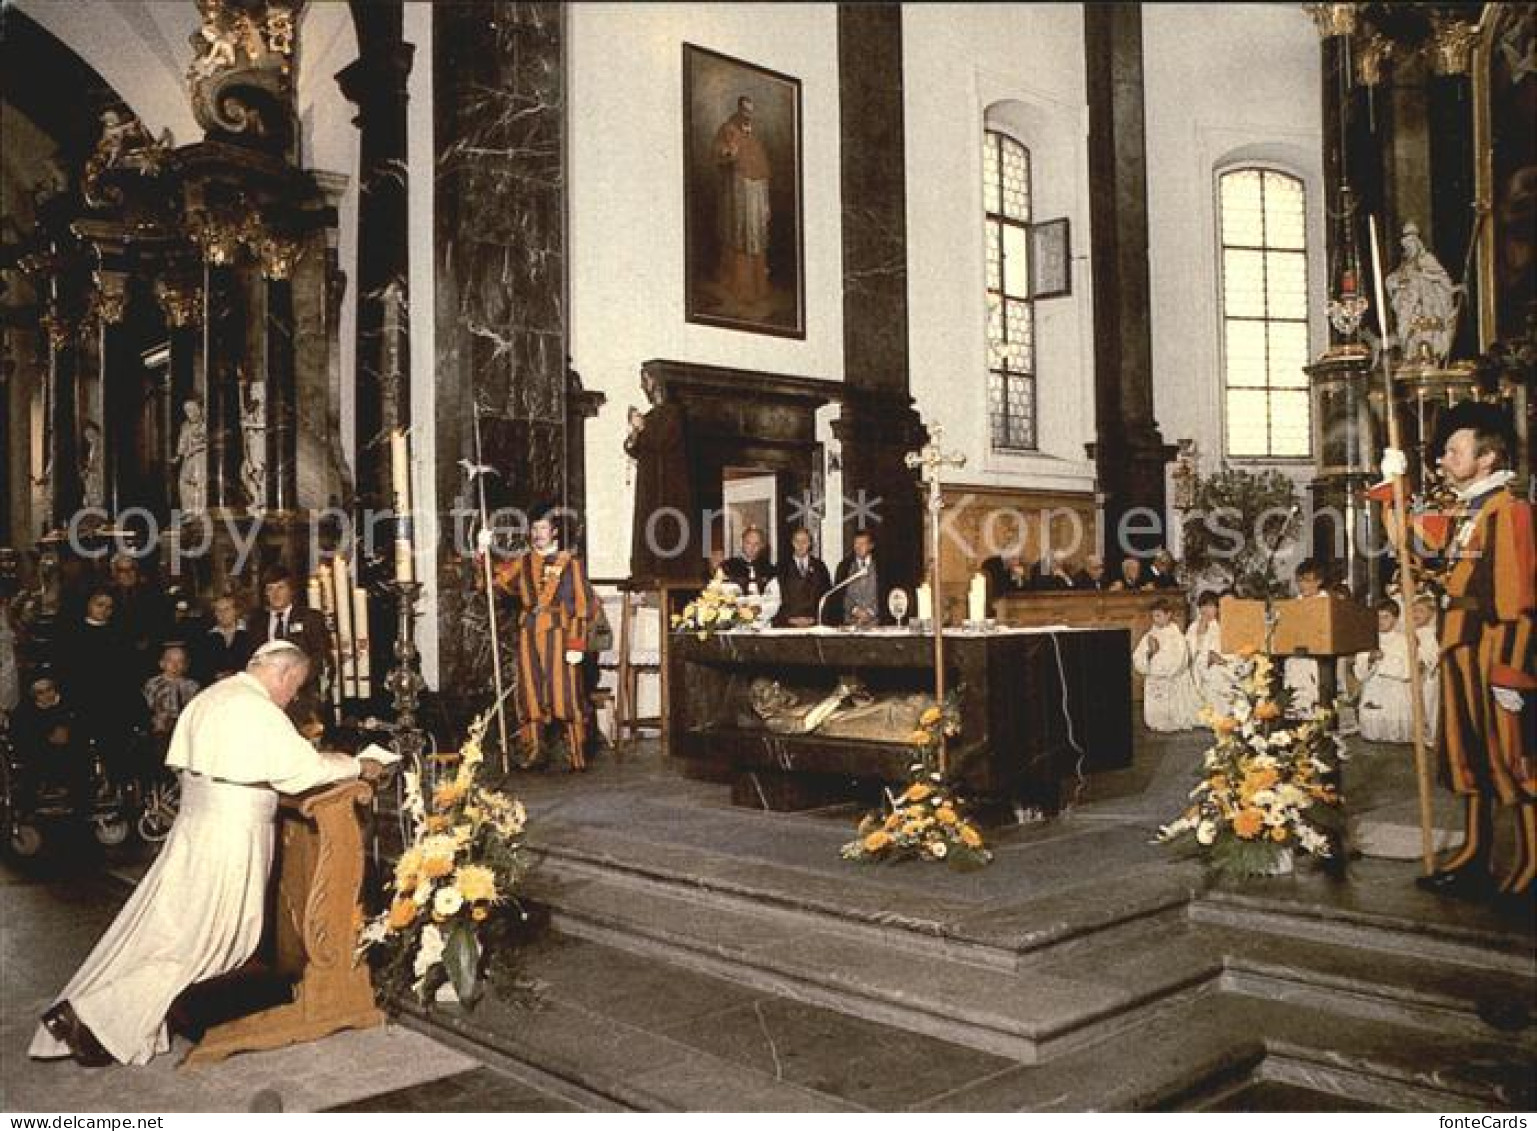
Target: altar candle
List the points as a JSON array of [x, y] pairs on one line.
[[400, 472], [360, 640], [976, 598], [343, 586], [312, 592], [405, 565], [925, 602]]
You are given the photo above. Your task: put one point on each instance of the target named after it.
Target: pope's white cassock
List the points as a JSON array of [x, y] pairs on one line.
[[198, 912]]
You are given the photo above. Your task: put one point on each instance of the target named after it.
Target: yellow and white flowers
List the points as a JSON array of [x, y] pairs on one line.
[[719, 607], [465, 859], [1269, 784]]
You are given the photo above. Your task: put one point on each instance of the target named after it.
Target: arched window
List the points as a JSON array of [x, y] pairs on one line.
[[1010, 311], [1263, 222]]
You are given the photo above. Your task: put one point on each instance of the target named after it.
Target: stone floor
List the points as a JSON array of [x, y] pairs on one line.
[[716, 1010]]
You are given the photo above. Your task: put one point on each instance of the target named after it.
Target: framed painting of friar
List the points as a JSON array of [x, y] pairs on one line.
[[744, 264]]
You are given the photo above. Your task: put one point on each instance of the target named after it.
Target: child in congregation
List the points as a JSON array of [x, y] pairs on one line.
[[1216, 682], [1169, 698], [169, 692], [1384, 674], [1300, 673]]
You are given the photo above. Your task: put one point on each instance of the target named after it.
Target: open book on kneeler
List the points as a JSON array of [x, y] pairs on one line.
[[1311, 626]]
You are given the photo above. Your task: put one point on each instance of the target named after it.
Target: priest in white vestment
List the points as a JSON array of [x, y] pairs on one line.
[[197, 913]]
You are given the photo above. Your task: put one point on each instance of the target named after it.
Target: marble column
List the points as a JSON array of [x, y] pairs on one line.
[[499, 108], [281, 481], [1452, 190], [877, 426], [224, 343], [1128, 451], [376, 84], [66, 492]]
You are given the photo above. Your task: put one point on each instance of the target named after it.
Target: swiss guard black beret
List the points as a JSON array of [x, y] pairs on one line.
[[1481, 416]]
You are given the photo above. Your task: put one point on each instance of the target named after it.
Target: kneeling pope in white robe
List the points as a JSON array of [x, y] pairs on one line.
[[198, 911]]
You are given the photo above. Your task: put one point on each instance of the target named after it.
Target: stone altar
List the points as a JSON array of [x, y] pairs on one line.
[[1016, 744]]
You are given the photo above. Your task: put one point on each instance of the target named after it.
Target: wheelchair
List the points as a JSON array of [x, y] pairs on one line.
[[31, 806]]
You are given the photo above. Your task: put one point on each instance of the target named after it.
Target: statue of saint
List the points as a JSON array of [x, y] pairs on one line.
[[1424, 301], [191, 454], [666, 538], [253, 431], [850, 710]]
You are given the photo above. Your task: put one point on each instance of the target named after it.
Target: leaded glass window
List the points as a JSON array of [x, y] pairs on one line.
[[1264, 314], [1010, 312]]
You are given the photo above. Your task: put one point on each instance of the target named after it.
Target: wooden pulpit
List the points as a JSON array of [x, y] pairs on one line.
[[317, 917], [1305, 626]]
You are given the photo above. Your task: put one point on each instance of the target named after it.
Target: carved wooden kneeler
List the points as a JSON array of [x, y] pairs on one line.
[[320, 846]]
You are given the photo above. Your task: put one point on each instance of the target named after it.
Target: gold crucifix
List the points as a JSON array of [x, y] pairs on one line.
[[932, 460]]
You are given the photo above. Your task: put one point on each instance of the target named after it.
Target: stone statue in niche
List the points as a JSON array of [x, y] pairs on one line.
[[253, 432], [850, 710], [191, 454], [1424, 301], [666, 538], [92, 481]]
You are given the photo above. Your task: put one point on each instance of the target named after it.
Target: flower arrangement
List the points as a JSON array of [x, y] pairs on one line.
[[1267, 784], [927, 820], [452, 883], [719, 607]]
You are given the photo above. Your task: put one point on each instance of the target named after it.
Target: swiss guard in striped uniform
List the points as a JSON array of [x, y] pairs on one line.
[[557, 607], [1488, 674]]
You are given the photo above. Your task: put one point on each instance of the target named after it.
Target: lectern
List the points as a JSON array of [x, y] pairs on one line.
[[320, 871], [1322, 627]]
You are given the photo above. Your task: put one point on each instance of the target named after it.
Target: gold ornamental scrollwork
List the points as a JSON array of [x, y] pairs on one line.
[[59, 331], [217, 236], [1371, 55], [109, 299], [277, 255], [1451, 45], [1333, 20], [181, 302]]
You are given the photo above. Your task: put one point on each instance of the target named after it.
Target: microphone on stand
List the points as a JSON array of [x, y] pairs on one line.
[[847, 581]]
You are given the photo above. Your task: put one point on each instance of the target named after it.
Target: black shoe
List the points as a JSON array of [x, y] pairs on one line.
[[65, 1025], [1468, 882]]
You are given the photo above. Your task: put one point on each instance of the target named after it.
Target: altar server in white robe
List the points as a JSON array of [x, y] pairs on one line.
[[1216, 678], [198, 911], [1299, 674], [1169, 698], [1384, 674]]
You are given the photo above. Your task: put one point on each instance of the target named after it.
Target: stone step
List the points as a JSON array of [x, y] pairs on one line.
[[1382, 922], [1026, 1014], [1405, 989], [1203, 1049], [1003, 936]]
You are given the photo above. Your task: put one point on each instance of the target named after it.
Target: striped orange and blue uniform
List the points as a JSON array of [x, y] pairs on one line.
[[1487, 641], [558, 606]]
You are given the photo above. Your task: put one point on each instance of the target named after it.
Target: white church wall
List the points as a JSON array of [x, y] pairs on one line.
[[1026, 62], [626, 214], [1226, 84]]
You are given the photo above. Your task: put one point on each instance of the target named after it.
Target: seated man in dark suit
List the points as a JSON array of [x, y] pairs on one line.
[[1006, 574], [751, 570], [1161, 574], [1132, 579], [1050, 573], [803, 581], [281, 619], [1093, 577]]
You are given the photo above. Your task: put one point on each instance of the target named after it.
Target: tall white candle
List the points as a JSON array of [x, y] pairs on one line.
[[343, 586], [976, 598], [400, 471], [312, 593], [925, 602], [360, 640], [405, 566]]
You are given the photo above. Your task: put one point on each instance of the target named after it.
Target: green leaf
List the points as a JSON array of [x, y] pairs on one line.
[[461, 957]]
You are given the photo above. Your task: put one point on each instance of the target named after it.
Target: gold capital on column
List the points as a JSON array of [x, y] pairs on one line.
[[1371, 53], [1333, 19], [1451, 44]]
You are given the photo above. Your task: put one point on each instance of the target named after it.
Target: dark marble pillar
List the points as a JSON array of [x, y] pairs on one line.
[[1129, 452], [376, 84], [224, 344], [66, 491], [282, 479], [1452, 195], [877, 426], [499, 136]]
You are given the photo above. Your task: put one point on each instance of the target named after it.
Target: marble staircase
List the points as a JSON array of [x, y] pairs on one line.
[[1148, 990]]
